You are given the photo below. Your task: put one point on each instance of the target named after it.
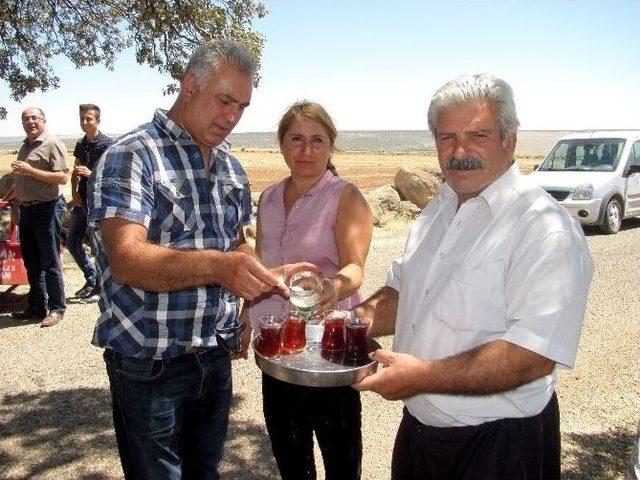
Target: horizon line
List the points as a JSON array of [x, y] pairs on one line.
[[75, 135]]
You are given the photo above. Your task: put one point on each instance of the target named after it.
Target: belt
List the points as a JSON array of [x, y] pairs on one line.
[[32, 203]]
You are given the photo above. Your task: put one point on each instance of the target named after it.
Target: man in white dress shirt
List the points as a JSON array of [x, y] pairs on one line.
[[486, 302]]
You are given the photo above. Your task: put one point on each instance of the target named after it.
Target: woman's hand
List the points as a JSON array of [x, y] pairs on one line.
[[328, 296], [285, 272]]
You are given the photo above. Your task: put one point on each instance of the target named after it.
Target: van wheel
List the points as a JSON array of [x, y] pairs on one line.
[[612, 217]]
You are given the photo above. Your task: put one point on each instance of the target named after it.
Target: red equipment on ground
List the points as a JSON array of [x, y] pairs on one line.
[[12, 270]]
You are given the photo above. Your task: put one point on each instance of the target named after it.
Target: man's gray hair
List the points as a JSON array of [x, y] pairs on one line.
[[477, 88], [207, 57]]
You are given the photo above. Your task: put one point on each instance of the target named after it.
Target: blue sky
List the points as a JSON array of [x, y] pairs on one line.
[[375, 64]]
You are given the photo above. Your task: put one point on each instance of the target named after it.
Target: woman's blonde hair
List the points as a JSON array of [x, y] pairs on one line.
[[311, 111]]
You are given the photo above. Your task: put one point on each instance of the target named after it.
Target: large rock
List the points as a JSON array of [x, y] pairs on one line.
[[434, 172], [417, 186], [386, 205], [385, 194]]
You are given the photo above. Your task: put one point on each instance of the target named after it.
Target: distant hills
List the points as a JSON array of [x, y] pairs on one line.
[[394, 141]]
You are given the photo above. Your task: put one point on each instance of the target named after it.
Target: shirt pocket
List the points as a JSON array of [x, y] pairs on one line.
[[236, 203], [472, 299], [176, 209]]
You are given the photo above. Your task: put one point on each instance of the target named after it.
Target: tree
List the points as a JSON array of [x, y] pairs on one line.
[[162, 32]]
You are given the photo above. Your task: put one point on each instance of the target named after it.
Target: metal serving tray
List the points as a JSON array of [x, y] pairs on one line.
[[312, 369]]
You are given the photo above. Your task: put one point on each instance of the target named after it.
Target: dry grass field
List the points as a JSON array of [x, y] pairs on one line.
[[367, 170]]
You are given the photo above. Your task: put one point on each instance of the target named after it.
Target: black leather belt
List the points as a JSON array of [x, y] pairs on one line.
[[32, 203]]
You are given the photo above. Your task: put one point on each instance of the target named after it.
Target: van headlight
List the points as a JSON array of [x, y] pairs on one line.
[[583, 192]]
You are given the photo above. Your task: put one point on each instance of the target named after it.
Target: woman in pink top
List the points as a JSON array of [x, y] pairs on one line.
[[313, 216]]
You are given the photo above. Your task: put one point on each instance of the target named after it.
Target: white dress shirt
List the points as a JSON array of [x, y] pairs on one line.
[[509, 264]]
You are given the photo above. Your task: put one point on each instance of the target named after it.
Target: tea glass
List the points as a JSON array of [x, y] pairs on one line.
[[355, 344], [269, 344], [333, 333], [293, 339]]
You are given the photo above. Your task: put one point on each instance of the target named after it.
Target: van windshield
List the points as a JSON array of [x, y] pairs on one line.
[[584, 154]]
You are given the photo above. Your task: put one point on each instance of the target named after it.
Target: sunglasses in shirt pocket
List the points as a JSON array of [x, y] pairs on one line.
[[179, 213]]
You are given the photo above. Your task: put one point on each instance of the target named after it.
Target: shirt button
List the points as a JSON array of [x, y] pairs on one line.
[[442, 255]]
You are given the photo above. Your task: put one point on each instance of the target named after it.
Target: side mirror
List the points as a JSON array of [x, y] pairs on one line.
[[535, 167], [633, 169]]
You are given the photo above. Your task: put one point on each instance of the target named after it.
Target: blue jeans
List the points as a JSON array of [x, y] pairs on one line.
[[170, 416], [75, 239], [40, 246]]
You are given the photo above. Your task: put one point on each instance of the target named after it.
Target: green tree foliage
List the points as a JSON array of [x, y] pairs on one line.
[[163, 34]]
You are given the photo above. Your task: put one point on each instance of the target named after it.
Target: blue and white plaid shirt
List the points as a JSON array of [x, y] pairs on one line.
[[156, 176]]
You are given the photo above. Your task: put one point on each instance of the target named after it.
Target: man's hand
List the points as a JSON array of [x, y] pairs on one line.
[[245, 276], [21, 168], [82, 171], [400, 377]]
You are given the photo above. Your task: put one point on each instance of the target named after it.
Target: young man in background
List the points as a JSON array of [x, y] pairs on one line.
[[87, 152]]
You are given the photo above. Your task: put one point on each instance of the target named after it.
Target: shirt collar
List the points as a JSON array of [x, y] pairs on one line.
[[39, 139], [495, 194], [171, 128], [95, 139], [320, 184], [176, 132]]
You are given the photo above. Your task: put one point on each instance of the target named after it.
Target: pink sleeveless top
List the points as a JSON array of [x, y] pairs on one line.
[[305, 235]]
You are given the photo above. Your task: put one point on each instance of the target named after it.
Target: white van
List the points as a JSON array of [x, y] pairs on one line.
[[595, 176]]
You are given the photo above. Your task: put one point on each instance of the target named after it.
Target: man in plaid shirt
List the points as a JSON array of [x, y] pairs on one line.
[[169, 201]]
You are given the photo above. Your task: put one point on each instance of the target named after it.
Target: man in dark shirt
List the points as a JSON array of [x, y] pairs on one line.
[[87, 152]]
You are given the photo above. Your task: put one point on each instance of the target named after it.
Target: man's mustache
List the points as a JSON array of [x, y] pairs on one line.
[[469, 163]]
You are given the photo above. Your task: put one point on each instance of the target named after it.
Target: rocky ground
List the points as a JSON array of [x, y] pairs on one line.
[[55, 419]]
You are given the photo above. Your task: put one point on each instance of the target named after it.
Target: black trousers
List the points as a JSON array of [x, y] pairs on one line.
[[509, 449], [293, 413]]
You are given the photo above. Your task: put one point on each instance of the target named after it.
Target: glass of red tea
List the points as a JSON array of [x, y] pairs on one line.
[[355, 343], [269, 342], [292, 338], [333, 333]]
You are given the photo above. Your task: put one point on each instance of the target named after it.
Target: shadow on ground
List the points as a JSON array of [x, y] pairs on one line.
[[7, 321], [247, 451], [52, 430], [628, 224], [67, 429], [602, 455]]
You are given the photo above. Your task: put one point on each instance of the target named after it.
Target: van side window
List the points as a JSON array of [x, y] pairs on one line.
[[634, 157]]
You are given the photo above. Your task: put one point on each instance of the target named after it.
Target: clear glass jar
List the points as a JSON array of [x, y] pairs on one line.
[[305, 289]]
